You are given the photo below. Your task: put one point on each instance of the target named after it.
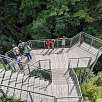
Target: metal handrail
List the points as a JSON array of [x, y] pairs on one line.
[[8, 60], [69, 97], [76, 82], [6, 57], [97, 39], [82, 58], [37, 66], [78, 60], [43, 40], [72, 97], [74, 76], [29, 91]]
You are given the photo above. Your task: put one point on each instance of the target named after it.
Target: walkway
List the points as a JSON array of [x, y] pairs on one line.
[[64, 86], [59, 65]]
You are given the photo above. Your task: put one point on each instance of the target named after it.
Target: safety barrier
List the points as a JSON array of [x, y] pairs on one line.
[[70, 73]]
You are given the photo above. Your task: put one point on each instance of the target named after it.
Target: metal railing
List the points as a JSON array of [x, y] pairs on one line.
[[79, 39], [40, 44], [80, 62], [41, 64], [69, 99], [10, 63], [71, 73], [69, 42], [92, 41], [20, 82], [31, 93], [7, 62]]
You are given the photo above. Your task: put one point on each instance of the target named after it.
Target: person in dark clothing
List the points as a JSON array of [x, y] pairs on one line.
[[81, 38], [27, 51], [21, 46]]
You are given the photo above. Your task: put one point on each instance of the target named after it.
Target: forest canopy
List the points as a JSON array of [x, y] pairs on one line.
[[36, 19]]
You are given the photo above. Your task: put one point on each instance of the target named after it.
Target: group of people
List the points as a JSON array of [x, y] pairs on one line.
[[24, 49], [50, 43]]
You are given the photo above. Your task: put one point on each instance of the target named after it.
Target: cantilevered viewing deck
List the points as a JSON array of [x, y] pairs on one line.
[[60, 63]]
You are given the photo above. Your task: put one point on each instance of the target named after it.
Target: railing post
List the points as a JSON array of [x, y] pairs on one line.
[[2, 92], [78, 63], [70, 42], [69, 63], [28, 68], [95, 60], [89, 63], [39, 64], [55, 99], [91, 44], [3, 64], [57, 43], [80, 99], [31, 97], [30, 44], [50, 64]]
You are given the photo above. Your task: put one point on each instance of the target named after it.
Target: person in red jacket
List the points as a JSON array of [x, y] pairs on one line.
[[50, 43]]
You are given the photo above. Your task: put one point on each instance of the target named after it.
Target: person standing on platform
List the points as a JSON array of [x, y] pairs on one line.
[[63, 41], [21, 46], [27, 51], [81, 38], [16, 50]]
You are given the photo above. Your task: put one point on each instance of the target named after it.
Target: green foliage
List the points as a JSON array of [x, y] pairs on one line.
[[36, 19], [98, 66], [92, 87], [9, 99], [90, 91], [41, 73], [98, 82], [90, 30], [83, 14]]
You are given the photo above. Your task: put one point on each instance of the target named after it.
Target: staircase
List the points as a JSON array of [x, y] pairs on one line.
[[64, 85], [19, 85]]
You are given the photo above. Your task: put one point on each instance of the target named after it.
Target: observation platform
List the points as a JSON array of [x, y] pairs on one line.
[[64, 85], [78, 56]]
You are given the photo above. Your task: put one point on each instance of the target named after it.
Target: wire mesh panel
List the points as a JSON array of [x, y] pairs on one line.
[[87, 39], [45, 64], [37, 44], [83, 62], [73, 86], [96, 43], [58, 43], [67, 43], [75, 40], [79, 62]]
